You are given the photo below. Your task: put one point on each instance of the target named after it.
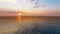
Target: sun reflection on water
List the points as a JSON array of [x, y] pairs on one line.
[[19, 17]]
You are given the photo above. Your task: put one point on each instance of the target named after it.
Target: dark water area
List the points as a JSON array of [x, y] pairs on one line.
[[41, 25], [30, 25]]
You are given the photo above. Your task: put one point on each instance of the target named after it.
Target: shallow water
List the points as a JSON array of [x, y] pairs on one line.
[[8, 25]]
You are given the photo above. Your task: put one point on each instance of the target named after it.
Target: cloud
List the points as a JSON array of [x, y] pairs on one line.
[[19, 4], [9, 4], [12, 1]]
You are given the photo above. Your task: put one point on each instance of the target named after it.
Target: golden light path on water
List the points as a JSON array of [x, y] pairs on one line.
[[19, 17]]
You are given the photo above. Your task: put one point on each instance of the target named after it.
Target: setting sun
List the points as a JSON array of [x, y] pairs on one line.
[[19, 14]]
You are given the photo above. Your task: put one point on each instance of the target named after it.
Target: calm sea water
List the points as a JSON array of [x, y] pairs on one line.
[[31, 25]]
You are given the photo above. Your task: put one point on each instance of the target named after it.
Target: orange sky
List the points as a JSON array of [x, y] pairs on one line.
[[7, 12]]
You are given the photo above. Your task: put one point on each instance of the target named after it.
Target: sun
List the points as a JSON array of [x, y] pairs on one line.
[[19, 14]]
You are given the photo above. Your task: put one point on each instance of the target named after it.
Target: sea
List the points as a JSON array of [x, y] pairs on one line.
[[30, 25]]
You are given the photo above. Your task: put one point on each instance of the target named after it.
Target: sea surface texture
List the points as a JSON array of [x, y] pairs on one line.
[[31, 25]]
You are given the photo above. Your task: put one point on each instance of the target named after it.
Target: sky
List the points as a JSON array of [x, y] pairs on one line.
[[30, 4]]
